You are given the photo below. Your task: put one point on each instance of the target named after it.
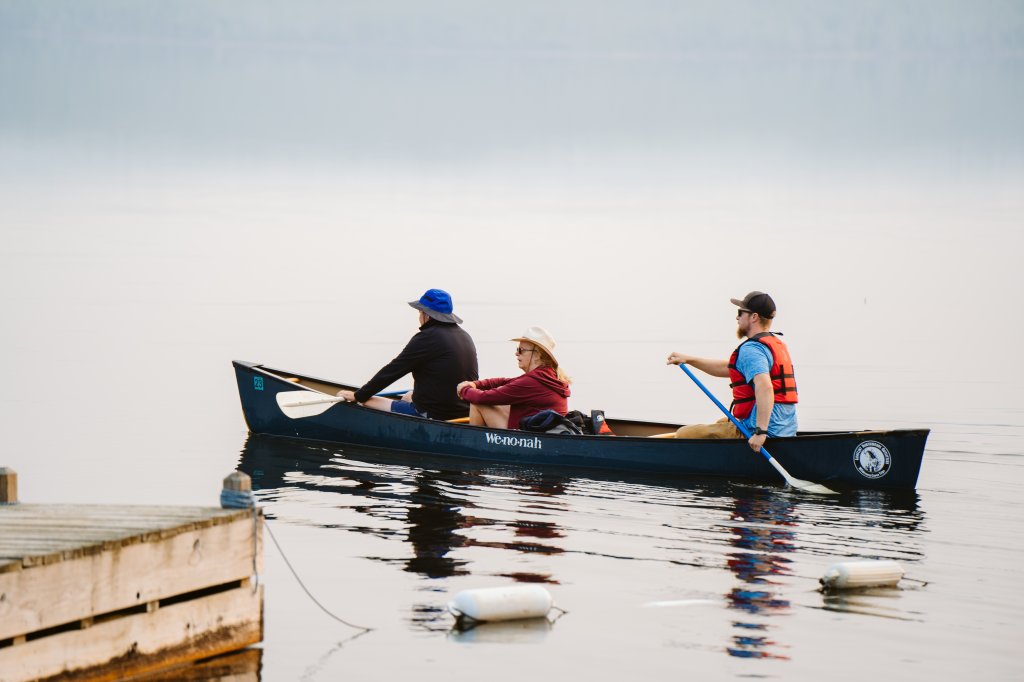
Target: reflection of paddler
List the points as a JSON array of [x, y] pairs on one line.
[[752, 568], [755, 601], [433, 521], [758, 529], [544, 484], [537, 529], [761, 525]]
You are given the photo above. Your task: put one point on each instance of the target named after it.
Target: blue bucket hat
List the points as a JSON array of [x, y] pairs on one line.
[[437, 303]]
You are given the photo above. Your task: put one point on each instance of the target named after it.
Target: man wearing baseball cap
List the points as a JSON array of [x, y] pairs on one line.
[[760, 374], [440, 356]]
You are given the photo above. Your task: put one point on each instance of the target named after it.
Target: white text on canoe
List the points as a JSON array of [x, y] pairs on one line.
[[517, 441]]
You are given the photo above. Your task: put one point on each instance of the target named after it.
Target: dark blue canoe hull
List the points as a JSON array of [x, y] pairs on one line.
[[881, 460]]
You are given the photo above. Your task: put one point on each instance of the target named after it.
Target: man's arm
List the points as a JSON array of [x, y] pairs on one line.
[[716, 368], [764, 396], [418, 349]]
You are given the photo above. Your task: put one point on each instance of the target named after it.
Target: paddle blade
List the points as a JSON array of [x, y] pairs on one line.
[[799, 484], [299, 404], [808, 487]]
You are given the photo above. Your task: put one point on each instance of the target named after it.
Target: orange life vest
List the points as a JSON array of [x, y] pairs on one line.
[[781, 374]]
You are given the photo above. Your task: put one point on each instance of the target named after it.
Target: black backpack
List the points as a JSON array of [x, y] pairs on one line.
[[582, 421], [549, 421], [593, 423]]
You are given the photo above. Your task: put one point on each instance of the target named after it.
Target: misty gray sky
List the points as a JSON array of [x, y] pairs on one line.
[[929, 83]]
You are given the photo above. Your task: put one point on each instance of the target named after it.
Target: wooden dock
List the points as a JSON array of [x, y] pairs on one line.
[[107, 592]]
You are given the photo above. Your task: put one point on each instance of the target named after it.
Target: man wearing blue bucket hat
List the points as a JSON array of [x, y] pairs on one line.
[[440, 356]]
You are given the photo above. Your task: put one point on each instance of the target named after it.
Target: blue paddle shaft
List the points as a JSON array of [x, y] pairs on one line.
[[722, 407]]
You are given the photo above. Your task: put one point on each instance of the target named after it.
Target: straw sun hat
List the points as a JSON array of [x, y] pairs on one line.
[[539, 337]]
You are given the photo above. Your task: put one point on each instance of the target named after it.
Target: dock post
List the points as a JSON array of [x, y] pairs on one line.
[[9, 486], [238, 481], [237, 491]]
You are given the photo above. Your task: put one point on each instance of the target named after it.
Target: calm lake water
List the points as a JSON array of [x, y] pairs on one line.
[[187, 185]]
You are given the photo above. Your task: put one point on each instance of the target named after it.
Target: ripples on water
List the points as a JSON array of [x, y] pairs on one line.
[[748, 549]]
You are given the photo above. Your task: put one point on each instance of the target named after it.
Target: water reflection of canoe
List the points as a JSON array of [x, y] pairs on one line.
[[842, 460]]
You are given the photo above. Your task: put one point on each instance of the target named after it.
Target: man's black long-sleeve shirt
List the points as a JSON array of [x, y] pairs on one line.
[[440, 356]]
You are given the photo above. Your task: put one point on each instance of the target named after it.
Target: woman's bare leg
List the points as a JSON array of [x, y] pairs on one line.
[[494, 416]]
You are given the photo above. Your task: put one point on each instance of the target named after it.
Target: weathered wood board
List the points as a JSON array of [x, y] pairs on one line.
[[239, 666], [116, 590]]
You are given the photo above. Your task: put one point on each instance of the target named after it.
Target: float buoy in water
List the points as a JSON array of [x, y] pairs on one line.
[[490, 604], [851, 575]]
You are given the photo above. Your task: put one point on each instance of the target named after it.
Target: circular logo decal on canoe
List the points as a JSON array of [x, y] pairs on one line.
[[872, 459]]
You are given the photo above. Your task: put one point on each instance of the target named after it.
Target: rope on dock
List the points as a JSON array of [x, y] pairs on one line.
[[244, 499]]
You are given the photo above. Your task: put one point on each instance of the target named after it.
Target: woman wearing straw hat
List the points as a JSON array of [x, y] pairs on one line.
[[501, 403]]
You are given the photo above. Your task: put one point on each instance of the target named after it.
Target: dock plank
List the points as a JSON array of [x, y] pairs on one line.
[[46, 534], [110, 650], [43, 577]]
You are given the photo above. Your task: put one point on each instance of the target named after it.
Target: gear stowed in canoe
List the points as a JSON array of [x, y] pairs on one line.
[[275, 403]]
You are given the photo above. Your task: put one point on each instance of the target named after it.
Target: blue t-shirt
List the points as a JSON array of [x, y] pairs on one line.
[[755, 358]]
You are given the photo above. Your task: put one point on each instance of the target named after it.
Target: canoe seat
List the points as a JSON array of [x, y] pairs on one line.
[[670, 434], [460, 420]]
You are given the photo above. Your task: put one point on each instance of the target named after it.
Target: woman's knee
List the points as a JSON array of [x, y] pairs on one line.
[[492, 416]]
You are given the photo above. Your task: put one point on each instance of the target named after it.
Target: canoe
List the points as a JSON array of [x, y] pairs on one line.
[[273, 403]]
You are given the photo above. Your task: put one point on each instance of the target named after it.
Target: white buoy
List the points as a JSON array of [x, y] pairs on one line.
[[502, 603], [851, 575]]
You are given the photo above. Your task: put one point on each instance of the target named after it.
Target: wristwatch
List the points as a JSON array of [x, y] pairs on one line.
[[758, 431]]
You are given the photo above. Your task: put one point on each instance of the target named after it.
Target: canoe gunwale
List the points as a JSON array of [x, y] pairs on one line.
[[819, 456], [803, 435]]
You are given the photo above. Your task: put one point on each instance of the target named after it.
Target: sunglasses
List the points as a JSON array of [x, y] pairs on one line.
[[741, 312], [520, 350]]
